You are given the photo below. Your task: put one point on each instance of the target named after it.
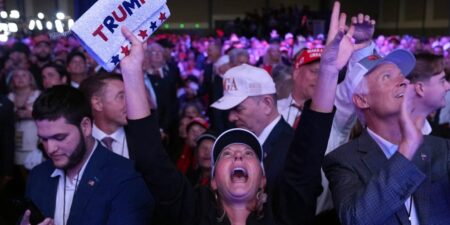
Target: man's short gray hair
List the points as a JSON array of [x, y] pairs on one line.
[[361, 89], [235, 53]]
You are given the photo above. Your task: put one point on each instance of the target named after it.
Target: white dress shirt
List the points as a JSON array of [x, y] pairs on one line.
[[151, 92], [64, 198], [265, 133], [390, 149], [444, 116], [288, 109], [119, 145]]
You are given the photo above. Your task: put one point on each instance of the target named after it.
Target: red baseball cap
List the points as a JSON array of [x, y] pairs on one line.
[[308, 56], [199, 121]]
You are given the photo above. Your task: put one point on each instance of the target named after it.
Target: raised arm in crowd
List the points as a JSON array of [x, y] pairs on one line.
[[237, 194]]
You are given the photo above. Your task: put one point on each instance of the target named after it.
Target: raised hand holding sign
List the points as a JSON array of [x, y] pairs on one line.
[[99, 28]]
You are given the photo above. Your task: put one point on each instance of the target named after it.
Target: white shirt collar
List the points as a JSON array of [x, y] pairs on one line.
[[74, 84], [292, 101], [289, 99], [288, 109], [98, 134], [265, 133], [387, 147], [119, 146], [426, 128]]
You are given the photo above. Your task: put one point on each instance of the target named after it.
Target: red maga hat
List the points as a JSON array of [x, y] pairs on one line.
[[308, 56]]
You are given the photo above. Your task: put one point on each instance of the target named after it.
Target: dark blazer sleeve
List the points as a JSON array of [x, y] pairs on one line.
[[301, 182], [170, 119], [375, 200], [7, 132], [206, 85], [448, 157], [173, 193]]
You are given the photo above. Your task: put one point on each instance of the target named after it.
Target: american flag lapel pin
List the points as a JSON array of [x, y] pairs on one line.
[[423, 156], [92, 181]]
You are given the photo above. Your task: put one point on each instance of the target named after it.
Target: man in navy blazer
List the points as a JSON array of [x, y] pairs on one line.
[[391, 175], [83, 182]]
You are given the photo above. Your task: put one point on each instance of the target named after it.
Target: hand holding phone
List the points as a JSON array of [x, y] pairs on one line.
[[27, 218], [32, 215]]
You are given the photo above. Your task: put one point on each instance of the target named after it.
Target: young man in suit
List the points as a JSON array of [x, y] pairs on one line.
[[429, 81], [83, 182], [107, 98]]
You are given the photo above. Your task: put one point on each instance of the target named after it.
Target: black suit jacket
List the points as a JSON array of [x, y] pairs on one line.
[[368, 188], [7, 133], [206, 87], [166, 97], [275, 150]]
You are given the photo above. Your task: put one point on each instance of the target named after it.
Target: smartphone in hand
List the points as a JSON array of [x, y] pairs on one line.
[[36, 215]]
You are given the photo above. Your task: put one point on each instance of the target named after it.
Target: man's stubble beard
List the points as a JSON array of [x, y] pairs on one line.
[[77, 156], [45, 58]]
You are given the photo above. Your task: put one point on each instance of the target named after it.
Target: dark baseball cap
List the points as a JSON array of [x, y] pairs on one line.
[[236, 136], [211, 135]]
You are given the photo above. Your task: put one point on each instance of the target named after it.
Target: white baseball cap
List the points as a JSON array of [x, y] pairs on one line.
[[403, 59], [241, 82], [222, 61]]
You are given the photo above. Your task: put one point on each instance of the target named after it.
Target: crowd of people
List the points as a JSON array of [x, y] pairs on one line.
[[285, 19], [343, 128]]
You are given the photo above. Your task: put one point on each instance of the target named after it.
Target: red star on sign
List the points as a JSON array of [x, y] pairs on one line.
[[143, 34], [162, 16], [125, 50], [373, 57]]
